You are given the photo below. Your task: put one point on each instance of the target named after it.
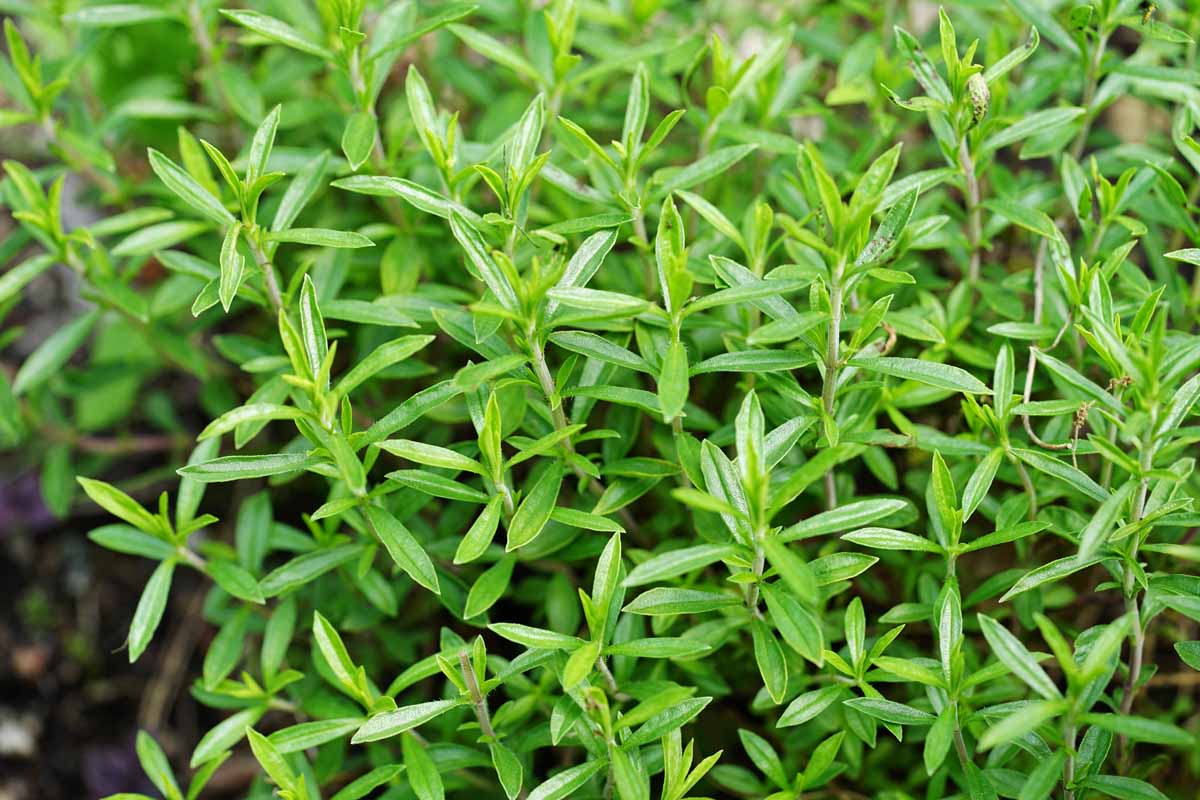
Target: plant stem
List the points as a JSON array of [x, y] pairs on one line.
[[974, 212], [537, 355], [610, 680], [477, 698], [649, 280], [1132, 601], [268, 271], [759, 565], [832, 354], [1069, 767], [1091, 79]]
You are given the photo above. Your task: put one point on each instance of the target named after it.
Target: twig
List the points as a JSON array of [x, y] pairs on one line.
[[974, 213]]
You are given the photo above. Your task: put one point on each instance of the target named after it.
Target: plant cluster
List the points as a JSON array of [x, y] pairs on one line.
[[630, 399]]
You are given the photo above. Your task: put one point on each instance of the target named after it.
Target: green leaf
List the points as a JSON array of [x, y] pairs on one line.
[[1142, 729], [224, 735], [535, 510], [362, 786], [254, 412], [674, 563], [1019, 661], [394, 723], [1123, 788], [115, 15], [891, 539], [1063, 472], [665, 600], [430, 455], [421, 771], [404, 548], [224, 651], [769, 657], [382, 357], [233, 266], [121, 505], [707, 167], [481, 259], [659, 647], [150, 609], [508, 770], [675, 717], [1020, 722], [495, 50], [489, 587], [848, 515], [632, 782], [1189, 653], [304, 735], [124, 539], [564, 783], [889, 711], [236, 468], [1021, 215], [415, 194], [52, 354], [673, 381], [1044, 777], [794, 571], [1035, 124], [809, 705], [155, 764], [939, 738], [887, 235], [799, 627], [1095, 534], [277, 31], [188, 190], [307, 567], [19, 276], [595, 346], [236, 580], [534, 637], [333, 650], [931, 373], [481, 532], [358, 138], [321, 237]]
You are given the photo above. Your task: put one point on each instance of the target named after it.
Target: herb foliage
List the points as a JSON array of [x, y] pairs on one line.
[[549, 384]]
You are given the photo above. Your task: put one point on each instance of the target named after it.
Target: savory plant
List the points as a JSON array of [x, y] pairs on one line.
[[631, 399]]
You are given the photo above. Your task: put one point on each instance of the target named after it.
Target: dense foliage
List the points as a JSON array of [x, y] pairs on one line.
[[629, 398]]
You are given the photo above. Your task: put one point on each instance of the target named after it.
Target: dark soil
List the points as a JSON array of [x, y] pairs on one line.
[[70, 702]]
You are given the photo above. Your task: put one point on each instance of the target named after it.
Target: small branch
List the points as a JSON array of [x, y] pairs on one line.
[[1069, 767], [832, 353], [477, 698], [538, 356], [1029, 488], [610, 680], [1091, 79], [974, 213], [1132, 603], [1039, 302], [759, 566], [264, 263]]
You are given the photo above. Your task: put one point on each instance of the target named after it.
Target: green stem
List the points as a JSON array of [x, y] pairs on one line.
[[832, 354], [1090, 81], [478, 701], [1132, 601], [1069, 767], [268, 271], [974, 211]]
